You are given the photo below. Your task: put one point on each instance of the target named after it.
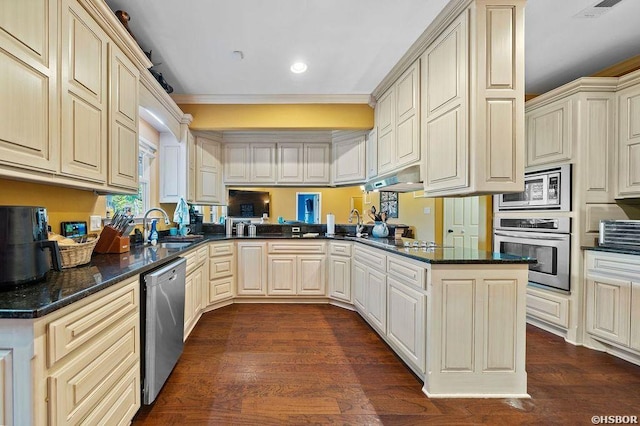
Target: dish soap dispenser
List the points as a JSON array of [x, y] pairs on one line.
[[153, 235]]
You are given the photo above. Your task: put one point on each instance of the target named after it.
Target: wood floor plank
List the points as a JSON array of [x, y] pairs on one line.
[[261, 364]]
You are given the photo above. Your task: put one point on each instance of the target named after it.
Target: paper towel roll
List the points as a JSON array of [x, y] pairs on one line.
[[331, 224]]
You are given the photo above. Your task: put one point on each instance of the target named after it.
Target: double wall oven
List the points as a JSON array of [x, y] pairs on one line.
[[537, 231]]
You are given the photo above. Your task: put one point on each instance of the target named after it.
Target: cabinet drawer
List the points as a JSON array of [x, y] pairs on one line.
[[221, 267], [296, 248], [620, 265], [79, 388], [375, 260], [74, 329], [192, 260], [406, 272], [202, 254], [548, 307], [221, 249], [340, 249], [221, 289]]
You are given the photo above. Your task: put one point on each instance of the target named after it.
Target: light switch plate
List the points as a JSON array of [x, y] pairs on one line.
[[95, 223], [427, 210]]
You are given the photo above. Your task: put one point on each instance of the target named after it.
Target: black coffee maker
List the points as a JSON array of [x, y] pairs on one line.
[[26, 254]]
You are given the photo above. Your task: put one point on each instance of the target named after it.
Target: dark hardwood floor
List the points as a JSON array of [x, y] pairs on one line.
[[261, 364]]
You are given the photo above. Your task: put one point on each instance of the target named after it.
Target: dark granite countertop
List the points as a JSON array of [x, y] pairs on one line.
[[60, 289], [619, 250]]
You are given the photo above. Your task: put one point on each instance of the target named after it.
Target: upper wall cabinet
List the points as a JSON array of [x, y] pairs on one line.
[[629, 141], [549, 135], [208, 170], [397, 123], [249, 163], [178, 165], [123, 120], [472, 103], [70, 98], [300, 163], [349, 160], [84, 94], [29, 136]]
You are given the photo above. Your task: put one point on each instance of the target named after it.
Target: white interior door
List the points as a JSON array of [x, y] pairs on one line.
[[461, 217]]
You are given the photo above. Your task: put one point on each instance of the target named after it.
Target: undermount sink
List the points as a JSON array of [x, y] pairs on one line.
[[174, 246]]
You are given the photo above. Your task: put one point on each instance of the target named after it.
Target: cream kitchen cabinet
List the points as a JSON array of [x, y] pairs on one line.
[[89, 354], [249, 163], [549, 133], [290, 163], [340, 271], [252, 268], [301, 163], [349, 159], [629, 142], [372, 153], [370, 286], [406, 321], [195, 287], [613, 301], [84, 86], [397, 121], [123, 120], [296, 269], [222, 271], [178, 166], [208, 171], [6, 386], [472, 103], [29, 101]]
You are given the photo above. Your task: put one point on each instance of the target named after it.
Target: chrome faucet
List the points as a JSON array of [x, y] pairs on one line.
[[359, 225], [167, 221]]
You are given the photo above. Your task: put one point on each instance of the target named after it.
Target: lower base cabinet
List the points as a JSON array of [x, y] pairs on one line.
[[89, 355], [340, 278], [613, 300], [406, 322], [222, 272], [377, 299]]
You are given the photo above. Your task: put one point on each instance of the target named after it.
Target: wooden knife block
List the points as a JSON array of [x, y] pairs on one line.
[[111, 241]]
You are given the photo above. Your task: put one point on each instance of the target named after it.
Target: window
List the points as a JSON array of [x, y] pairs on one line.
[[140, 203]]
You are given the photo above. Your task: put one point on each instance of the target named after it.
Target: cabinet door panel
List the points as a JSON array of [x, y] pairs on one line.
[[634, 340], [446, 162], [221, 289], [263, 162], [608, 309], [629, 144], [548, 134], [84, 95], [377, 300], [236, 162], [311, 275], [290, 163], [406, 326], [282, 275], [316, 163], [360, 287], [349, 160], [252, 269], [123, 170], [208, 187], [385, 122], [340, 278]]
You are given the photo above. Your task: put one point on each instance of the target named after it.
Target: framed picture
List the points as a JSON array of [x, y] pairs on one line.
[[389, 203]]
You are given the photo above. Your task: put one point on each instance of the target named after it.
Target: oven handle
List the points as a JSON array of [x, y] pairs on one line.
[[551, 237]]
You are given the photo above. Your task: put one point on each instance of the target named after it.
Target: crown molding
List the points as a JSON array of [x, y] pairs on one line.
[[584, 84], [272, 99], [450, 12], [310, 136]]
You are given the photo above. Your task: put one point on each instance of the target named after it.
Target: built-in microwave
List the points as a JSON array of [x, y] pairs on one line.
[[548, 189]]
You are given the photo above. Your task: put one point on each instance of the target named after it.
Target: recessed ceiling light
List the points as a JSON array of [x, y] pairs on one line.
[[298, 67]]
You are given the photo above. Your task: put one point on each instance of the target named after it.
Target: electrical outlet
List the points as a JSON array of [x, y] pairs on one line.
[[95, 223], [427, 210]]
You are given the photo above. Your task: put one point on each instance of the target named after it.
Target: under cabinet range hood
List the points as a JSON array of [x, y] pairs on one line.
[[405, 180]]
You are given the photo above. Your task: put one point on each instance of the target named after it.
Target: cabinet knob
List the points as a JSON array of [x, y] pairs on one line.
[[449, 231]]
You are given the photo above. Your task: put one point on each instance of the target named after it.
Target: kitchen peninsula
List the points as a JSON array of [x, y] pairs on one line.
[[457, 318]]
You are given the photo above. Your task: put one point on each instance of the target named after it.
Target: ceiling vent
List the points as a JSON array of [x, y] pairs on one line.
[[598, 9]]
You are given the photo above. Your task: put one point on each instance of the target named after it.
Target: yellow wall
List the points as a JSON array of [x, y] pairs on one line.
[[411, 212], [280, 116], [62, 204], [333, 200]]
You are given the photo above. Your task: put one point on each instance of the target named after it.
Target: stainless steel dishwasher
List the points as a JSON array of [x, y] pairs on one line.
[[163, 325]]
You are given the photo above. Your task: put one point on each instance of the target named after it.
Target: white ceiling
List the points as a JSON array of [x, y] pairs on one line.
[[351, 45]]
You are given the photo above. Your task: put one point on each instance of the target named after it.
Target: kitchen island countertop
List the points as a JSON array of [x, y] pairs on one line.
[[60, 289]]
